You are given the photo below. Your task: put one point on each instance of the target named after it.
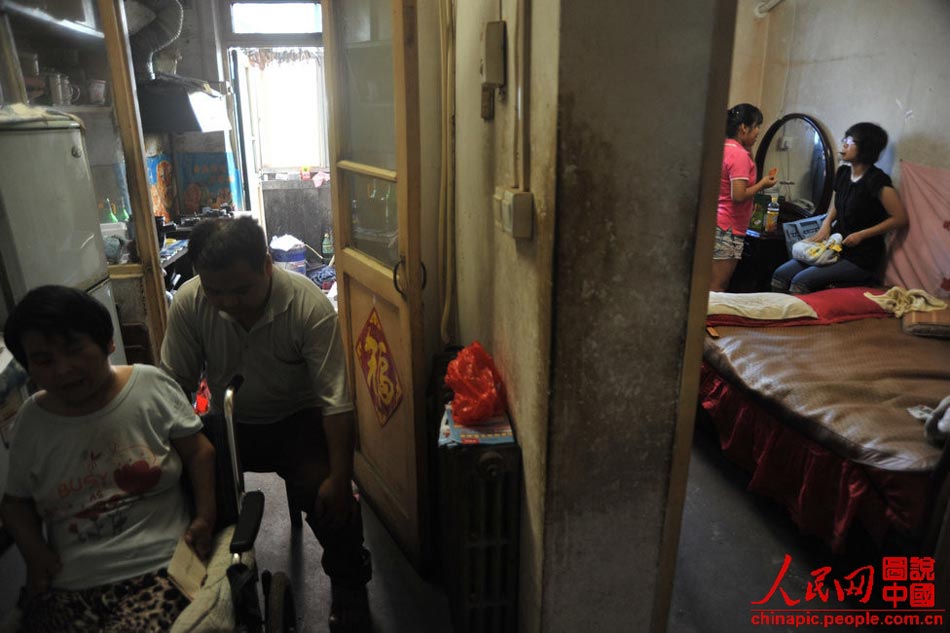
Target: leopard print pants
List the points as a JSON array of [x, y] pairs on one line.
[[145, 604]]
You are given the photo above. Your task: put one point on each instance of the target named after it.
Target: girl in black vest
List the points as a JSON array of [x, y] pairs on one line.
[[865, 208]]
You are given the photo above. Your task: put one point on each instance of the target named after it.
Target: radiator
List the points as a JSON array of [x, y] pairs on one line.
[[480, 511]]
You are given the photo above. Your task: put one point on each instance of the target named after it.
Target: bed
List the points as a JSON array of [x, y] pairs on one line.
[[816, 407]]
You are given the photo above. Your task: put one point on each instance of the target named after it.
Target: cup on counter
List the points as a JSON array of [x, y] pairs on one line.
[[54, 88], [61, 92], [29, 64], [71, 93], [96, 91]]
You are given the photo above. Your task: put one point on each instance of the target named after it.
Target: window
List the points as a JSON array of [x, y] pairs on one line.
[[289, 106], [276, 17]]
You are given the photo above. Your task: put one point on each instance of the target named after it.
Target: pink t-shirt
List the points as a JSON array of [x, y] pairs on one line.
[[737, 164]]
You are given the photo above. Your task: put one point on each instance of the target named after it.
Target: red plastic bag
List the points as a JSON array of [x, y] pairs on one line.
[[202, 398], [479, 391]]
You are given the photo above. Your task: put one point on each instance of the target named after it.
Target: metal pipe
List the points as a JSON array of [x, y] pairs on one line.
[[229, 392], [156, 35]]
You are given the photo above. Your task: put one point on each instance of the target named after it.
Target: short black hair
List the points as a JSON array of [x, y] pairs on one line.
[[57, 311], [871, 140], [743, 113], [217, 243]]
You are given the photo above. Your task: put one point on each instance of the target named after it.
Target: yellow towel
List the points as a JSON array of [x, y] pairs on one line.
[[900, 301]]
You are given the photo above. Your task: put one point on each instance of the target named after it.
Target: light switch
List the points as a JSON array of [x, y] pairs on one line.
[[517, 213]]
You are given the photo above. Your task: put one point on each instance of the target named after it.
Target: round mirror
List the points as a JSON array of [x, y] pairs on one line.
[[801, 151]]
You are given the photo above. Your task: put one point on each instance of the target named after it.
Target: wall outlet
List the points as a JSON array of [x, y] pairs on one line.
[[517, 213]]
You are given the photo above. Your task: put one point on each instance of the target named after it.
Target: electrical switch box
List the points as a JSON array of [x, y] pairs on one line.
[[493, 55], [517, 213]]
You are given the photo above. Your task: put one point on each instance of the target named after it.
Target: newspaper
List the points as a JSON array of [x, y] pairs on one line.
[[186, 570]]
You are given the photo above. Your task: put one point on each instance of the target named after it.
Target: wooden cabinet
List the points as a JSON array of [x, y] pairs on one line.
[[61, 56], [761, 255]]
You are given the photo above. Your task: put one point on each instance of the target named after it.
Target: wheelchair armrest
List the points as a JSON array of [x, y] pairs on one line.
[[249, 522]]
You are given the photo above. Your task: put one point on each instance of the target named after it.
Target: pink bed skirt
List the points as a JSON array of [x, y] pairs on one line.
[[825, 494]]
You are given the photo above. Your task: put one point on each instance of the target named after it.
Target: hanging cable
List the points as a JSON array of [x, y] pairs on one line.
[[447, 174]]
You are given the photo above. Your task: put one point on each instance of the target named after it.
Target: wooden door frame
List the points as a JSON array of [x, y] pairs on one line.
[[149, 269], [407, 177]]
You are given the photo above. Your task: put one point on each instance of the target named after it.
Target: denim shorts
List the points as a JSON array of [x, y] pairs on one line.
[[728, 245]]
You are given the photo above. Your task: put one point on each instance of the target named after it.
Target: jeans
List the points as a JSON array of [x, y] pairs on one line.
[[798, 278]]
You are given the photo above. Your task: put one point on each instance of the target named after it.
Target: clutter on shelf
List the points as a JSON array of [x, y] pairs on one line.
[[289, 253], [491, 431]]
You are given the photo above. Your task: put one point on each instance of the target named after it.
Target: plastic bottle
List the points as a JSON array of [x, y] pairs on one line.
[[389, 204], [327, 247], [108, 215], [771, 216], [123, 214]]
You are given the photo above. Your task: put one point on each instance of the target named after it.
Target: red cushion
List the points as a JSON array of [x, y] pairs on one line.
[[836, 305]]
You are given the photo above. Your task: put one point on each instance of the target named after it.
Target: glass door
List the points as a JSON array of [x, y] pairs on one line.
[[372, 74]]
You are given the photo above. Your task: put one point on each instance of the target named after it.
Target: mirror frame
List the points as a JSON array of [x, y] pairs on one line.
[[825, 202]]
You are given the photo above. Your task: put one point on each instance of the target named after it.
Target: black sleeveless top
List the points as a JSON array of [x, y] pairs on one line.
[[858, 207]]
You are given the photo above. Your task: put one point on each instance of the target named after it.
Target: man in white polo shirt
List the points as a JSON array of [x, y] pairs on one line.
[[242, 315]]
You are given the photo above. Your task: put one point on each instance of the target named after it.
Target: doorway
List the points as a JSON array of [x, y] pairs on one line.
[[281, 110]]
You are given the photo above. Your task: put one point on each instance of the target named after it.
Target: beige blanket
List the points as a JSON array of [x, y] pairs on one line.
[[901, 301], [211, 610]]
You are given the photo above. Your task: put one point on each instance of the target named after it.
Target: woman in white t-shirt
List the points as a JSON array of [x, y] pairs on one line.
[[97, 459]]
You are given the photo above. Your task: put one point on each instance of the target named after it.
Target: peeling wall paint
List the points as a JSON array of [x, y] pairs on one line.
[[632, 138], [857, 60]]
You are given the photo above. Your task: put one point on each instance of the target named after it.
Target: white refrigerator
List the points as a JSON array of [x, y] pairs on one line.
[[49, 216]]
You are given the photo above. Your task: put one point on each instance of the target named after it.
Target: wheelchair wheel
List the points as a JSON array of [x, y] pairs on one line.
[[281, 614]]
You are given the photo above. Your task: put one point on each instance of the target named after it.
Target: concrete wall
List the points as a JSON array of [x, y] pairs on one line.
[[855, 60], [748, 58], [504, 285], [196, 44], [637, 170], [297, 208]]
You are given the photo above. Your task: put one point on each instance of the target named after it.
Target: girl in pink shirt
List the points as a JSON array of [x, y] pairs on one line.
[[735, 192]]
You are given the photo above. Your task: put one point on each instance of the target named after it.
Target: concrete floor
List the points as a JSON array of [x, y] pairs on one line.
[[732, 547], [400, 601]]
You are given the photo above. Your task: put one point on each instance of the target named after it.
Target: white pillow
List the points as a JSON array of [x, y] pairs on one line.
[[768, 306]]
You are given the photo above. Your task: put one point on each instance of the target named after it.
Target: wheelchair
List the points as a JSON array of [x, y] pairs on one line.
[[245, 511], [230, 599]]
